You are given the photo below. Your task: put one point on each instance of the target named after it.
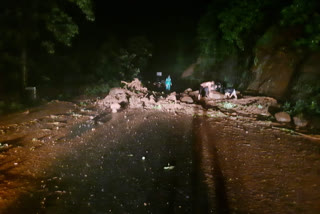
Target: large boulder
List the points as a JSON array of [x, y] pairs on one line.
[[275, 63], [272, 72], [189, 71], [283, 117], [306, 85]]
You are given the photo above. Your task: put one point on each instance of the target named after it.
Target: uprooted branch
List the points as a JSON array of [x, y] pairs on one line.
[[135, 85]]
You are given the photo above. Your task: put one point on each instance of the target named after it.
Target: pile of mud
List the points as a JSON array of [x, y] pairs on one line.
[[134, 95]]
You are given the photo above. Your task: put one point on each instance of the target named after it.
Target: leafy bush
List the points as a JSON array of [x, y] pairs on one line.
[[97, 89], [304, 13], [10, 106], [240, 20], [305, 96], [287, 107], [101, 87], [122, 62], [235, 27], [302, 107]]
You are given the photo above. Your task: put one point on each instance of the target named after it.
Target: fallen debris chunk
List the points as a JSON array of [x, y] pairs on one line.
[[135, 85], [186, 99], [115, 107]]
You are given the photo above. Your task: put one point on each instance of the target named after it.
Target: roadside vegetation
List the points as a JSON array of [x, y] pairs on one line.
[[230, 33], [49, 54]]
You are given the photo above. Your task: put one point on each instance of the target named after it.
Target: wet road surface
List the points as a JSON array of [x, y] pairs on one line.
[[155, 162], [133, 164]]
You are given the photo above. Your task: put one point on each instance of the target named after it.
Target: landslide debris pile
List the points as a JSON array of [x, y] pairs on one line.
[[134, 95]]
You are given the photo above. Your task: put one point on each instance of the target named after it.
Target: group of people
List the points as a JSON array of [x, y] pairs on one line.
[[207, 87], [167, 83]]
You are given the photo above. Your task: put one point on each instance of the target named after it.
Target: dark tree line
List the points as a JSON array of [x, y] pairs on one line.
[[36, 35], [34, 26], [235, 26], [231, 31]]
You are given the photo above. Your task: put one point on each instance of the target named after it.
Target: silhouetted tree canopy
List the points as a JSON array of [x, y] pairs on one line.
[[44, 22], [28, 25], [238, 24]]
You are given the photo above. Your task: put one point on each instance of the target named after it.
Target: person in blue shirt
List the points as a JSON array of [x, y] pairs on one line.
[[168, 83]]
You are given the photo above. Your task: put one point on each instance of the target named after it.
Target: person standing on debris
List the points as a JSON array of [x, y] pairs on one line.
[[205, 89], [168, 83]]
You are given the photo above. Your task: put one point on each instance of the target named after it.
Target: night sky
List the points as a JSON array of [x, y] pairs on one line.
[[168, 25], [160, 21], [152, 17]]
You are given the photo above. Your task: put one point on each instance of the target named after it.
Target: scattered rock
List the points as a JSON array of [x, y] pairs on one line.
[[194, 93], [135, 102], [116, 91], [188, 90], [152, 99], [115, 107], [172, 97], [215, 114], [300, 121], [186, 99], [283, 117], [140, 97], [115, 97], [216, 95]]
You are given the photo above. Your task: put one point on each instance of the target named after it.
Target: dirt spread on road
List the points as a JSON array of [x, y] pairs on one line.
[[56, 157]]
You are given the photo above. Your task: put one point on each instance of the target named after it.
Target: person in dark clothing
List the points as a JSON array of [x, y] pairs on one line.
[[205, 88]]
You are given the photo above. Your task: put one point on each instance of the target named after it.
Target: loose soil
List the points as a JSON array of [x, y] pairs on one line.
[[72, 158]]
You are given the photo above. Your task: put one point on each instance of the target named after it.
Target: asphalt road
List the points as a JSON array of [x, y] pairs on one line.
[[156, 162]]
